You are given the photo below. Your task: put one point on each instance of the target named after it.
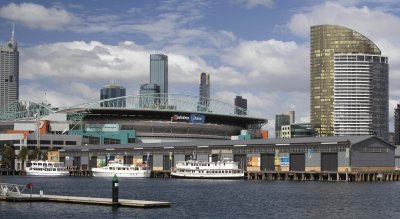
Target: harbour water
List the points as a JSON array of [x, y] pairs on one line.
[[211, 198]]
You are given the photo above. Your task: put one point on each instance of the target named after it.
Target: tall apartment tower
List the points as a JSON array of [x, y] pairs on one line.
[[325, 42], [240, 106], [397, 125], [9, 71], [113, 91], [159, 74], [204, 92], [361, 95]]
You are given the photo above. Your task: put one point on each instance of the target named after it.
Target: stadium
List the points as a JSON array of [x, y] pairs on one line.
[[135, 119]]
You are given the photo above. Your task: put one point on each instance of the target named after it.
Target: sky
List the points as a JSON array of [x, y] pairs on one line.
[[257, 49]]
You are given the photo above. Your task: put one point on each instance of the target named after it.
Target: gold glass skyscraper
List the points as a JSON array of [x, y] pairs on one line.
[[325, 42]]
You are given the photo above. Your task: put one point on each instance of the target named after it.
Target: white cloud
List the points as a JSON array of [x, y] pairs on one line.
[[368, 21], [89, 61], [271, 63], [37, 16]]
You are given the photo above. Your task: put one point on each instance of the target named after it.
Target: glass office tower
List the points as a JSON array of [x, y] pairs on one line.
[[204, 92], [325, 42], [159, 74]]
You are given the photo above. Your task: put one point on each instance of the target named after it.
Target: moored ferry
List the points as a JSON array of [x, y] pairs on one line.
[[46, 168], [116, 167], [225, 169]]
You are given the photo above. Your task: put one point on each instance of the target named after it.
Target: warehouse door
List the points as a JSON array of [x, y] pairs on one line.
[[215, 158], [93, 162], [329, 161], [241, 158], [297, 162], [267, 162], [128, 160], [77, 162], [149, 162], [168, 162]]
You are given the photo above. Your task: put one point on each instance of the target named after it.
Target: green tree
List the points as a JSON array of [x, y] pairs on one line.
[[8, 155], [23, 153], [36, 154]]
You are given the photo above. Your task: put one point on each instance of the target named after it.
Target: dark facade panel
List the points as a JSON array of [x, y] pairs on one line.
[[149, 161], [372, 153], [168, 162], [329, 161], [128, 160], [93, 162], [297, 162], [242, 159], [267, 162]]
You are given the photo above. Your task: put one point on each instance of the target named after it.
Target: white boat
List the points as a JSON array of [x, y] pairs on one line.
[[225, 169], [46, 168], [116, 167]]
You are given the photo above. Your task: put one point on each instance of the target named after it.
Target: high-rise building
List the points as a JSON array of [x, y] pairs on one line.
[[297, 130], [397, 125], [292, 116], [149, 96], [204, 92], [9, 71], [113, 91], [240, 106], [159, 74], [325, 42], [361, 95], [281, 120]]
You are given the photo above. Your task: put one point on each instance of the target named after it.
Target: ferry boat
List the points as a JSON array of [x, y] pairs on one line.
[[225, 169], [116, 167], [46, 168]]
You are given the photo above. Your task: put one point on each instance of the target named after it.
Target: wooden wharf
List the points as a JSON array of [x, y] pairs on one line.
[[83, 200], [13, 193], [359, 176]]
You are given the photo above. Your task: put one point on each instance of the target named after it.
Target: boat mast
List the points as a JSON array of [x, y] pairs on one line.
[[37, 132]]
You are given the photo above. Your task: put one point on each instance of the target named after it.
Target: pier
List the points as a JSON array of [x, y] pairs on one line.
[[360, 176], [14, 193]]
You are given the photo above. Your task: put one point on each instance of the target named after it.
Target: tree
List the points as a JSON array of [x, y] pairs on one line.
[[8, 155], [36, 154], [23, 153]]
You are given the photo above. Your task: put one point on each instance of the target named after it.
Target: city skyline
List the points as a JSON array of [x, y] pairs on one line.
[[71, 55]]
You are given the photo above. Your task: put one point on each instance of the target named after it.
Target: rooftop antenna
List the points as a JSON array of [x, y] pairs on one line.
[[12, 34]]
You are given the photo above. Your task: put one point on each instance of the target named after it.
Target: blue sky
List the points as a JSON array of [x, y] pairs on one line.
[[258, 49]]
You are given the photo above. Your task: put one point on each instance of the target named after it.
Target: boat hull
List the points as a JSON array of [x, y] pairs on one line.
[[205, 176], [123, 174], [46, 173]]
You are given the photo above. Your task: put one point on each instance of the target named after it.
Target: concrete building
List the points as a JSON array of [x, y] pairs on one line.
[[29, 140], [240, 105], [292, 115], [297, 130], [397, 125], [361, 95], [113, 91], [159, 74], [325, 42], [204, 92], [281, 120], [149, 95], [9, 71], [345, 154]]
